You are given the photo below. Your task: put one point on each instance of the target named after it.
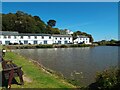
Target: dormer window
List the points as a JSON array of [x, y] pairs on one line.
[[35, 37], [49, 37], [28, 37], [42, 37], [9, 36], [21, 37]]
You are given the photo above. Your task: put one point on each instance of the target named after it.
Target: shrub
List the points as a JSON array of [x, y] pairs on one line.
[[74, 45], [107, 80], [44, 46], [79, 45], [63, 46]]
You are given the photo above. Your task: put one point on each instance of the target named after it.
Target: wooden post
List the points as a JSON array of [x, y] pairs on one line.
[[10, 78]]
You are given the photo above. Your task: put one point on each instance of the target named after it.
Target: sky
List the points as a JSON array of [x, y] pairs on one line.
[[60, 0], [100, 19]]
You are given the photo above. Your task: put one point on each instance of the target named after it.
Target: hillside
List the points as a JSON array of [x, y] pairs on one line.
[[26, 23]]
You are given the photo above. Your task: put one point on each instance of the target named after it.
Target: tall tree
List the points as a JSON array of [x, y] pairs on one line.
[[51, 23]]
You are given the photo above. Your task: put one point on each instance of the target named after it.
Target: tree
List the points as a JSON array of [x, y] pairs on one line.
[[51, 23], [55, 31], [75, 34], [22, 22]]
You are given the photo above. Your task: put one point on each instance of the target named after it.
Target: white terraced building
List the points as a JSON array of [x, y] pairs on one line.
[[82, 39], [7, 37]]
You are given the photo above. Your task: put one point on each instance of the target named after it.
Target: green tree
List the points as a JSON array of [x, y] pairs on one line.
[[55, 31], [23, 23], [51, 23]]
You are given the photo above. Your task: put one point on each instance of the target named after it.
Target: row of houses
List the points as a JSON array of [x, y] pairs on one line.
[[7, 37]]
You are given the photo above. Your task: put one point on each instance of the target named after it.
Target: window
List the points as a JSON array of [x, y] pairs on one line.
[[14, 37], [65, 38], [7, 42], [59, 42], [9, 36], [25, 42], [69, 38], [19, 41], [21, 37], [60, 38], [42, 37], [35, 42], [86, 38], [56, 38], [35, 37], [5, 36], [45, 42], [65, 42], [0, 42], [49, 37], [28, 37]]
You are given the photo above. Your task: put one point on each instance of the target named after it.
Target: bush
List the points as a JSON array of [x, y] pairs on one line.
[[63, 46], [79, 45], [107, 80], [44, 46], [74, 45], [28, 47], [10, 43], [15, 44]]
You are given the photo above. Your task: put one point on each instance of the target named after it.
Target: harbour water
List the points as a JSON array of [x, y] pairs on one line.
[[80, 64]]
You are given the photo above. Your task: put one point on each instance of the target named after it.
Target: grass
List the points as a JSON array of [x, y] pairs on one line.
[[36, 76]]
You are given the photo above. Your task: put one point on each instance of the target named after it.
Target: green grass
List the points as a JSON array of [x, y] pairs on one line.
[[38, 77]]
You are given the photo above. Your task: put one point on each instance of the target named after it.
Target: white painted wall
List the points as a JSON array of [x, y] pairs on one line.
[[39, 39], [80, 40], [61, 39]]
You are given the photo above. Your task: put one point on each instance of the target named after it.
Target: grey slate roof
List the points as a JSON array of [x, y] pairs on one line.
[[8, 33], [58, 35], [31, 34], [81, 36]]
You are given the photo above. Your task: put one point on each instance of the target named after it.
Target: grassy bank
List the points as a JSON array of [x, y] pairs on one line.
[[34, 76]]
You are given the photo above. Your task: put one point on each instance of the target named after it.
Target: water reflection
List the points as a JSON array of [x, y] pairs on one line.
[[79, 63]]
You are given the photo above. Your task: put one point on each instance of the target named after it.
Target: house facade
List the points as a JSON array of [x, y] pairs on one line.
[[22, 38], [82, 39], [7, 37], [62, 39]]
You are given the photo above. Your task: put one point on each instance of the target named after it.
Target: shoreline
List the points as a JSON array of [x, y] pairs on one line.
[[47, 70], [46, 46], [50, 74], [50, 46]]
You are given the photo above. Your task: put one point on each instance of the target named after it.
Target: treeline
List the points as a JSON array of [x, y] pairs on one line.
[[111, 42], [84, 34], [26, 23]]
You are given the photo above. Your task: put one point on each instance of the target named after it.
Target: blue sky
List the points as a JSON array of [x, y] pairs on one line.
[[98, 19]]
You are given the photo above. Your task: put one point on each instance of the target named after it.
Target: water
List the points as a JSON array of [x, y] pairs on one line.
[[80, 64]]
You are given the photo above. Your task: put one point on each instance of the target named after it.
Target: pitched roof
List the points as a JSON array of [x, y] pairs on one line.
[[8, 33], [31, 34], [58, 35], [81, 36]]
